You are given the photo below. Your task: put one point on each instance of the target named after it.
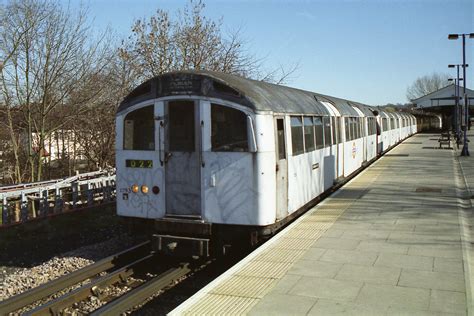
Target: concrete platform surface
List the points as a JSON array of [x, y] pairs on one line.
[[395, 240]]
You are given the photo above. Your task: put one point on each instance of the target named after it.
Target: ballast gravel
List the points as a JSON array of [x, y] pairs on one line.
[[23, 279]]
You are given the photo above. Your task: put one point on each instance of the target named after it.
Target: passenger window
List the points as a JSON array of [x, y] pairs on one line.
[[318, 127], [334, 130], [339, 129], [308, 134], [359, 127], [347, 126], [228, 129], [139, 129], [297, 135], [281, 139], [353, 128], [327, 131]]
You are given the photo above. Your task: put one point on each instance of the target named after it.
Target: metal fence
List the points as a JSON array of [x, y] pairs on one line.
[[24, 202]]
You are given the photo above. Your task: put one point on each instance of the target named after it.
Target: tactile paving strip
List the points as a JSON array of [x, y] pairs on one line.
[[245, 286], [240, 291], [305, 233], [280, 255], [214, 304], [267, 269], [294, 243]]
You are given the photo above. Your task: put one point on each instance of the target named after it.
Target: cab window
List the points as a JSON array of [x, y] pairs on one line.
[[229, 129], [139, 130]]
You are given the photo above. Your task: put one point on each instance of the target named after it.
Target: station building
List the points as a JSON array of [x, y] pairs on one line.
[[443, 102]]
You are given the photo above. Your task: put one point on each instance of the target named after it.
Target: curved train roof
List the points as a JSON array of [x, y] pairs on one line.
[[258, 95]]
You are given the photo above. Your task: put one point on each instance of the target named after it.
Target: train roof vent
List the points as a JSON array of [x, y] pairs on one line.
[[222, 88]]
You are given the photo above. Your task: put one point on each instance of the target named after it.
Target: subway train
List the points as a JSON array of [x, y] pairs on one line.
[[210, 159]]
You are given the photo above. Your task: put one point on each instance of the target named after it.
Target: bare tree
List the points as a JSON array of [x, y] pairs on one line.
[[55, 57], [427, 84], [192, 41], [95, 129]]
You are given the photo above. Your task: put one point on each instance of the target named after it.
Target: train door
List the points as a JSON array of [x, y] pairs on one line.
[[281, 169], [182, 158]]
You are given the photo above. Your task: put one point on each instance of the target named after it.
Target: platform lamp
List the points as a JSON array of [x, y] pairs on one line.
[[465, 148]]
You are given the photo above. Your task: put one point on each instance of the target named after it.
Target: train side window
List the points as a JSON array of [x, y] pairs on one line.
[[353, 128], [228, 129], [281, 139], [334, 130], [347, 126], [308, 134], [297, 135], [139, 129], [357, 127], [318, 127], [327, 131], [339, 129]]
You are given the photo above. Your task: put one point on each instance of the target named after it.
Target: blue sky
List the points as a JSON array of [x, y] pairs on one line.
[[364, 50]]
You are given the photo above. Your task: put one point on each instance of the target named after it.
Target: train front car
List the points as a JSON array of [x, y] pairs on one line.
[[186, 157], [212, 159]]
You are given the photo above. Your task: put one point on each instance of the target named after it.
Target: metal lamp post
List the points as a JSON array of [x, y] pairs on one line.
[[458, 97], [456, 110], [465, 148]]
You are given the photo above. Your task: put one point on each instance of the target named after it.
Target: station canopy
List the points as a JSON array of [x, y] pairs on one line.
[[444, 97]]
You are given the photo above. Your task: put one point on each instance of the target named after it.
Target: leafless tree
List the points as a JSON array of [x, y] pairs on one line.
[[95, 128], [427, 84], [57, 76], [192, 41], [55, 56]]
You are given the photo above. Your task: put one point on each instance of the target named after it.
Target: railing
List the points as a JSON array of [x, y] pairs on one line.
[[25, 202]]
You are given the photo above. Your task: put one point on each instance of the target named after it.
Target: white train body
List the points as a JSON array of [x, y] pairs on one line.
[[207, 149]]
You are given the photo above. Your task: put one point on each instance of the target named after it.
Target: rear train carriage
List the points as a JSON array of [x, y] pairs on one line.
[[210, 157]]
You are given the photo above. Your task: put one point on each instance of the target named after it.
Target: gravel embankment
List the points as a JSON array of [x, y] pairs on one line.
[[24, 279]]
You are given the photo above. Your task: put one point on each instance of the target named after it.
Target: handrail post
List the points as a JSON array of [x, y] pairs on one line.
[[24, 207], [90, 194], [4, 210], [74, 188]]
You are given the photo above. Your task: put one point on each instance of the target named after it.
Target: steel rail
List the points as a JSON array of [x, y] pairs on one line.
[[144, 291], [26, 298], [56, 306]]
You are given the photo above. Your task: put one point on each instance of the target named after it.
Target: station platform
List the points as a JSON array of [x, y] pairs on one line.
[[396, 240]]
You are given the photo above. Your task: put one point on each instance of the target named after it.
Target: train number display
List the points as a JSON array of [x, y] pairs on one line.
[[134, 163]]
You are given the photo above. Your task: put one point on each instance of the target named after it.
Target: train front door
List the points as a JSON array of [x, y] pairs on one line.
[[181, 157], [281, 169]]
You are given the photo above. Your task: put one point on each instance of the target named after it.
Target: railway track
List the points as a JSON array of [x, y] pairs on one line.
[[125, 268]]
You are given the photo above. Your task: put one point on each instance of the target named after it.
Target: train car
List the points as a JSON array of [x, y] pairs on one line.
[[210, 159]]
